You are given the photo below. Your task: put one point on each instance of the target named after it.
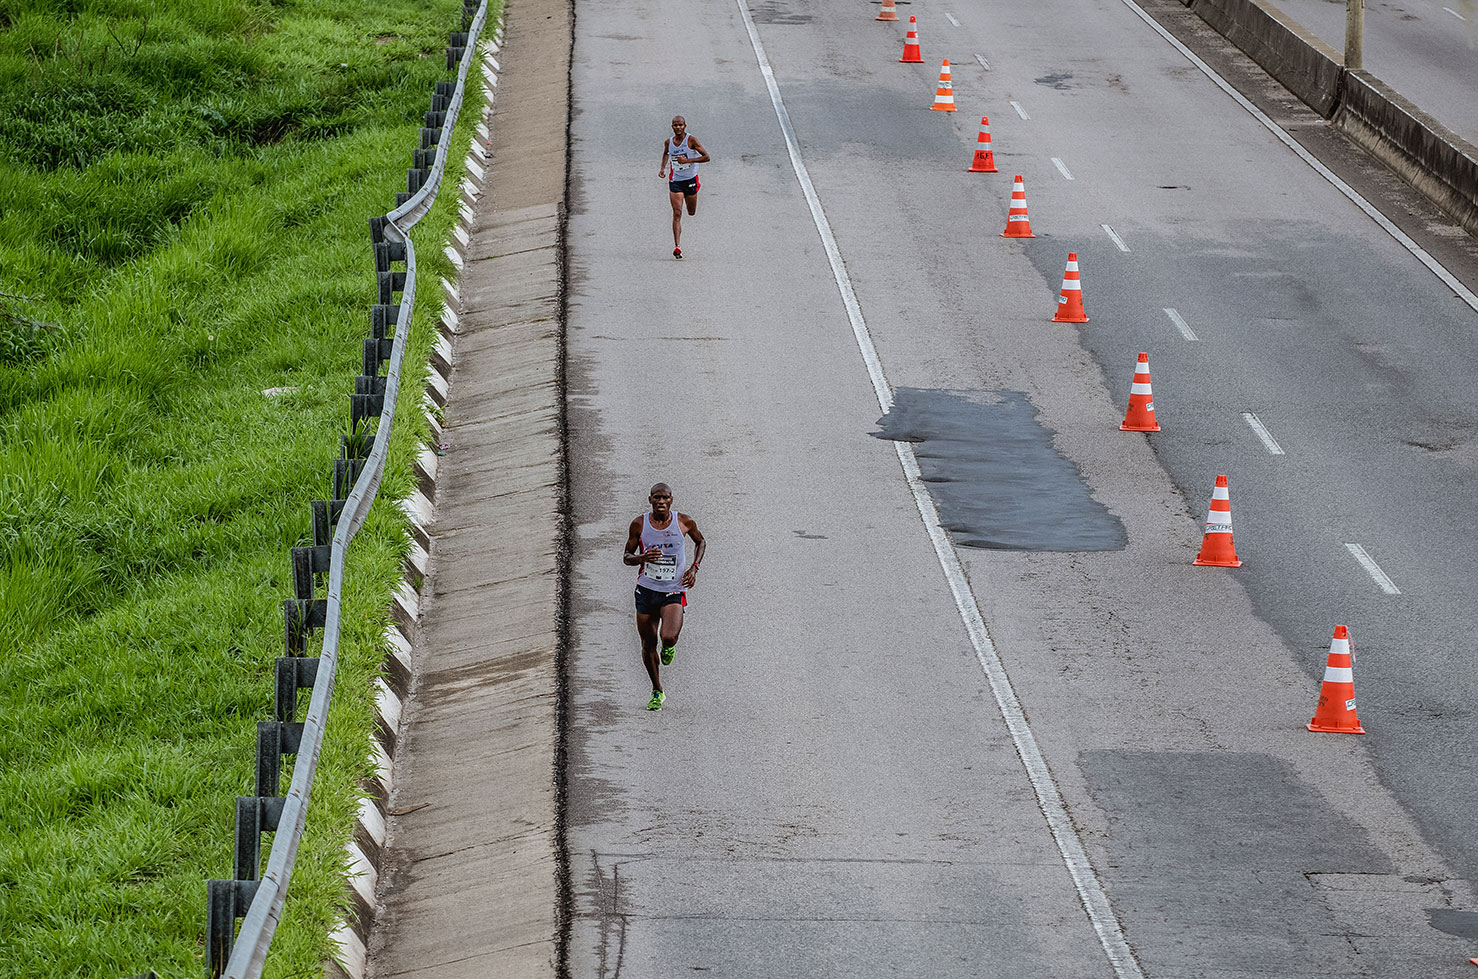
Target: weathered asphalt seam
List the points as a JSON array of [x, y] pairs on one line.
[[564, 917]]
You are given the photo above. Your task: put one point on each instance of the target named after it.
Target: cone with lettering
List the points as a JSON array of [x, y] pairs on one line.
[[1335, 711], [1141, 414], [1017, 225], [1070, 300], [1216, 543], [944, 95], [985, 160], [889, 11], [911, 53]]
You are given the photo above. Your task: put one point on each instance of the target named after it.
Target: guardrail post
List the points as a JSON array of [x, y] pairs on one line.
[[390, 283], [307, 562], [455, 50], [225, 901], [326, 515], [387, 252], [255, 815], [300, 616], [382, 321], [275, 739], [376, 352], [294, 673]]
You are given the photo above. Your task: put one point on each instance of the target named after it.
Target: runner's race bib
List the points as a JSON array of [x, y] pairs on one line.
[[662, 569]]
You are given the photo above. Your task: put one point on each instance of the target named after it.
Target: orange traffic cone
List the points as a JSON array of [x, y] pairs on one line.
[[1335, 711], [985, 160], [1216, 543], [889, 11], [1070, 300], [944, 95], [911, 53], [1017, 225], [1141, 414]]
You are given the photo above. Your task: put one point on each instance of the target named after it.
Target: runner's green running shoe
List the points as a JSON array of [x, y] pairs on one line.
[[668, 652], [657, 699]]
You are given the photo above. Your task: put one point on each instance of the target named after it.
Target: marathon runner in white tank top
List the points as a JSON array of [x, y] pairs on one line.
[[656, 545], [684, 152], [661, 574]]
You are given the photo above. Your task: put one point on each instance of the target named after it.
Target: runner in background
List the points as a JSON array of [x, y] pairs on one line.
[[684, 152]]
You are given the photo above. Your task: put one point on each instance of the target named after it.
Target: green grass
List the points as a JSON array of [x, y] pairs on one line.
[[184, 188]]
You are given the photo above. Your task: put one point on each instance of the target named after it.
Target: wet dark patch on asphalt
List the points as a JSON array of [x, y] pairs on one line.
[[995, 475], [1463, 924]]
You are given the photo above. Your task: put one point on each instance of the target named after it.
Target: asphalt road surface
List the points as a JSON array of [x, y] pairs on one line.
[[886, 753], [1425, 49]]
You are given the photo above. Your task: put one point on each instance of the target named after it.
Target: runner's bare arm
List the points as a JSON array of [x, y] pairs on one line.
[[702, 156], [633, 555], [662, 168], [690, 527]]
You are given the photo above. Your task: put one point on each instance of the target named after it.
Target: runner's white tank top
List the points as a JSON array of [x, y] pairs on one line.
[[666, 573], [679, 151]]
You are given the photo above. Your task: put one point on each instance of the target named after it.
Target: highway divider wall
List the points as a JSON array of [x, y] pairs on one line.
[[1305, 65], [1429, 156]]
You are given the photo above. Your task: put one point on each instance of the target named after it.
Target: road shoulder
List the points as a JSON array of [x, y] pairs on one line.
[[470, 884]]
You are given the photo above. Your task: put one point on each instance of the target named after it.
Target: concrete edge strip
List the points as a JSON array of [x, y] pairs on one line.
[[1421, 254], [1074, 856], [367, 843]]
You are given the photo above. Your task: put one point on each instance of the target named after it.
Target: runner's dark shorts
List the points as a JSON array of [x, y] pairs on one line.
[[649, 602], [685, 187]]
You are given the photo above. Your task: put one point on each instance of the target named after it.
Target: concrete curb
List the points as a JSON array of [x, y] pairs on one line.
[[1433, 159], [368, 842]]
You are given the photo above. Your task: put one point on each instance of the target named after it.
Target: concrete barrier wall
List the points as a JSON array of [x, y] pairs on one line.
[[1433, 159], [1429, 156], [1305, 65]]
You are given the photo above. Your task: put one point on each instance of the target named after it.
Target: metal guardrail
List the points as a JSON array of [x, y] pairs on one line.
[[258, 898]]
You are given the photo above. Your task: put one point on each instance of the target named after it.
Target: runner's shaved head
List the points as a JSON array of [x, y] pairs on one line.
[[679, 121], [662, 488]]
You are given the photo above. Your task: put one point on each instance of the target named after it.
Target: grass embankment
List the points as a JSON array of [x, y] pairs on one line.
[[184, 188]]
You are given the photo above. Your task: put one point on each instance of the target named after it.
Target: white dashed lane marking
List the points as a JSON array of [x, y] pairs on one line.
[[1119, 242], [1371, 568], [1019, 110], [1180, 324], [1062, 168], [1270, 443], [952, 19]]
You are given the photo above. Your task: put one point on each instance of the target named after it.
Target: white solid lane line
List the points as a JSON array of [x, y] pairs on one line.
[[1019, 110], [1435, 267], [1371, 568], [1090, 889], [1270, 443], [952, 19], [1454, 13], [983, 63], [1115, 236], [1062, 168], [1180, 324]]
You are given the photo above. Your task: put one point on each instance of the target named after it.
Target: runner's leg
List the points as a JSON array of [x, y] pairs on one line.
[[693, 202], [677, 217], [672, 624], [646, 627]]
